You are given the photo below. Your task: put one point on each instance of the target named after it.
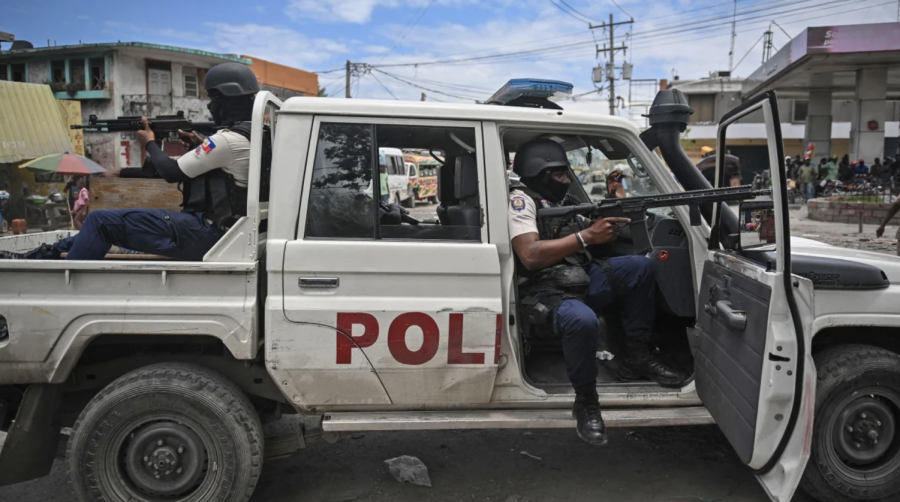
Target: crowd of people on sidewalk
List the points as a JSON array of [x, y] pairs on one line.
[[809, 175]]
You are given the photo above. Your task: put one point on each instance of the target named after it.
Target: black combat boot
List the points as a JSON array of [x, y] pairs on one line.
[[641, 363], [44, 252], [586, 412]]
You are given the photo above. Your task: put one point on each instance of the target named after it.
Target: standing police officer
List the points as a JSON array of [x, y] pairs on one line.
[[213, 178], [560, 276]]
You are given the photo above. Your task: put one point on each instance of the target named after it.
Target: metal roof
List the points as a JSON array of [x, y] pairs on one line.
[[456, 111], [30, 123], [118, 45], [827, 58]]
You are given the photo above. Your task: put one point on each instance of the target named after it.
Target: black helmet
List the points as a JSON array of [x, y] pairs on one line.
[[231, 79], [537, 155]]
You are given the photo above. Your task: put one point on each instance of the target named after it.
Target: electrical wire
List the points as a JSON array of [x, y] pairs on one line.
[[407, 82], [782, 30], [832, 4], [589, 18], [706, 37], [409, 27], [621, 9], [638, 36], [748, 52], [570, 14], [320, 72], [382, 85]]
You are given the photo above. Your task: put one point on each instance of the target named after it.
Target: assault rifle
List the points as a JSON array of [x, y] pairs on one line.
[[635, 208], [165, 126]]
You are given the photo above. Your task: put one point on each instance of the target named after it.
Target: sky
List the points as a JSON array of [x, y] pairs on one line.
[[409, 42]]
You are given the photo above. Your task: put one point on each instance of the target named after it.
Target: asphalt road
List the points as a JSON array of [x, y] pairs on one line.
[[639, 465]]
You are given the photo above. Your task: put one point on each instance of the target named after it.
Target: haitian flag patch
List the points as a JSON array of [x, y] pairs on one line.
[[208, 145]]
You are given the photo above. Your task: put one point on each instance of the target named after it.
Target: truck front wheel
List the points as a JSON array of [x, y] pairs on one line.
[[856, 444], [167, 431]]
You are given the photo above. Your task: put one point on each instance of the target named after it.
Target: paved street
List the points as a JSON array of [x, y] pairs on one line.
[[638, 465]]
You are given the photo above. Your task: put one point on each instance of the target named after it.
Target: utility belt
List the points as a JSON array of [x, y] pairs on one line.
[[543, 292]]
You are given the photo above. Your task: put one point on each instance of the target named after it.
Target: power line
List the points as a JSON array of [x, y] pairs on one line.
[[638, 36], [748, 52], [570, 14], [621, 9], [320, 72], [410, 27], [382, 85], [706, 35], [407, 82], [576, 11]]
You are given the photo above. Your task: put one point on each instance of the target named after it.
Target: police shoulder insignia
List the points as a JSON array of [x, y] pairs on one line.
[[545, 203], [517, 203], [207, 145]]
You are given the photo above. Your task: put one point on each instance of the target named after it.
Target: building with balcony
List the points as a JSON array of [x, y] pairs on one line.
[[136, 78]]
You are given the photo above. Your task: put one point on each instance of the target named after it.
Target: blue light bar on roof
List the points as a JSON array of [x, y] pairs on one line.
[[553, 90]]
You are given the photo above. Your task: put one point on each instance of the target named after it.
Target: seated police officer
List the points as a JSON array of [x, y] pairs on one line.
[[559, 275], [213, 179]]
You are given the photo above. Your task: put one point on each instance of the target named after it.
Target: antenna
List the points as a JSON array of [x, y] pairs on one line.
[[733, 37]]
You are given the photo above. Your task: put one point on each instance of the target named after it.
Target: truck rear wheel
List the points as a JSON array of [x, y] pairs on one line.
[[170, 431], [856, 444]]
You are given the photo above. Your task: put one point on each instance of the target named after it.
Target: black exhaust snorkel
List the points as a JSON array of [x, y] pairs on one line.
[[669, 116]]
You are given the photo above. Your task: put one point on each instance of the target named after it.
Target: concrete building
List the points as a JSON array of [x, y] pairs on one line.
[[838, 87], [135, 78]]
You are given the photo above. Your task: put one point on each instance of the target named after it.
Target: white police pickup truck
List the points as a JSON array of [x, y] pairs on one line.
[[323, 303]]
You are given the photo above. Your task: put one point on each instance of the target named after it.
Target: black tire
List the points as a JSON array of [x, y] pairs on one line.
[[172, 416], [433, 199], [858, 393], [410, 200]]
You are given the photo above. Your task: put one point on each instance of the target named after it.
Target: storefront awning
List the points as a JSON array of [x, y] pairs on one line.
[[30, 123]]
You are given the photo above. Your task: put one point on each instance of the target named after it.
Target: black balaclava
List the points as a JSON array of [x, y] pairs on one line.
[[548, 187], [227, 111]]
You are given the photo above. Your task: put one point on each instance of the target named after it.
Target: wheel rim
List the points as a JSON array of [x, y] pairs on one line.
[[863, 442], [139, 438], [165, 459]]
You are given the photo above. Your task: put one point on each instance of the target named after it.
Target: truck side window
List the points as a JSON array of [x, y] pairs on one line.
[[347, 175], [340, 201]]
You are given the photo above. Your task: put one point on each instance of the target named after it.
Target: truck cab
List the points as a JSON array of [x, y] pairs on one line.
[[321, 302]]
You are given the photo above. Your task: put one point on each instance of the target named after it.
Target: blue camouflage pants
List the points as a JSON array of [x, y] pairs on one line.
[[633, 287], [178, 235]]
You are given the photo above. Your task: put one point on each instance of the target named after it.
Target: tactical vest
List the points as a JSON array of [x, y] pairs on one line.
[[217, 195], [541, 291]]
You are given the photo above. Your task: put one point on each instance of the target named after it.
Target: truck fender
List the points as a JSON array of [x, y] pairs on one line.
[[31, 444]]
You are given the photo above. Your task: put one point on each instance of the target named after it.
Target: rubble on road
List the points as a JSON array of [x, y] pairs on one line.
[[409, 469]]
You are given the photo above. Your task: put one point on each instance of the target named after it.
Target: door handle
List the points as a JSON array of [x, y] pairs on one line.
[[319, 282], [736, 319]]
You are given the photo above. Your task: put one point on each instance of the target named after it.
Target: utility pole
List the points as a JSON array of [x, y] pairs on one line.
[[733, 37], [347, 90], [611, 66], [767, 45]]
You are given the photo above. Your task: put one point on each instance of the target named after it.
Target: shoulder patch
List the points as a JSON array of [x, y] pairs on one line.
[[207, 145], [517, 203], [545, 203]]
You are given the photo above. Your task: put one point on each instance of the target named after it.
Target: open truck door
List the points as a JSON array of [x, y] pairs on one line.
[[752, 352]]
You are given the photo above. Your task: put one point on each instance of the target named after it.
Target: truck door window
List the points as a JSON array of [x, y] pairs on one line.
[[342, 202]]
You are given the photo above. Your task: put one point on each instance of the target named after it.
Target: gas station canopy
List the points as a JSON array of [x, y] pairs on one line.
[[827, 58]]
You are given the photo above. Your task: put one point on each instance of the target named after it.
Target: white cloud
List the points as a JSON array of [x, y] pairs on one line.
[[277, 44], [376, 49], [83, 18], [356, 11], [343, 11]]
